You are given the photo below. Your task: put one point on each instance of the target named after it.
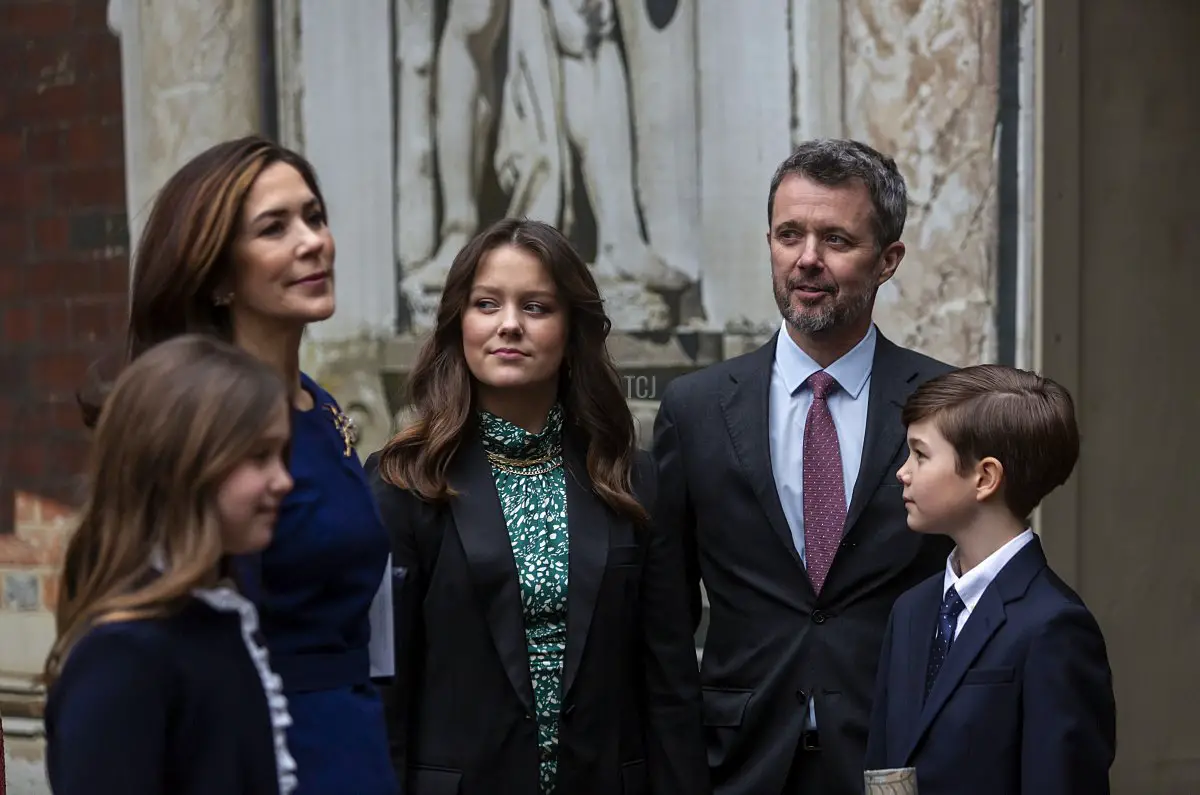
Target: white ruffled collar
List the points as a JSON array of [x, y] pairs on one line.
[[226, 599]]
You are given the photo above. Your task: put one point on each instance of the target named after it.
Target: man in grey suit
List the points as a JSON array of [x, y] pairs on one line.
[[777, 468]]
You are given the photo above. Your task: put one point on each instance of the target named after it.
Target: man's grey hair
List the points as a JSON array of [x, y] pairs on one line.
[[836, 161]]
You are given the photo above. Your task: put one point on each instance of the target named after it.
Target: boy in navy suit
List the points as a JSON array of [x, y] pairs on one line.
[[993, 678]]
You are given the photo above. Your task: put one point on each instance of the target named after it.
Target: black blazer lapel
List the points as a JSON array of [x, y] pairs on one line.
[[986, 620], [892, 381], [479, 519], [588, 529], [745, 404]]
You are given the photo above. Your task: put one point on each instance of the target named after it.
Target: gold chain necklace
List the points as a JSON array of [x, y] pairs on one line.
[[526, 466]]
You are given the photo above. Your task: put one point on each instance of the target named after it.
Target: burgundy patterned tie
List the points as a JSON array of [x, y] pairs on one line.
[[824, 489]]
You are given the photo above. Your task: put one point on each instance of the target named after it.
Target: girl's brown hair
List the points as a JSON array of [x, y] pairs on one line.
[[184, 256], [442, 389], [177, 422]]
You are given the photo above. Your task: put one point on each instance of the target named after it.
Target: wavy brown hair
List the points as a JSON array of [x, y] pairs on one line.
[[442, 390], [185, 253], [179, 419]]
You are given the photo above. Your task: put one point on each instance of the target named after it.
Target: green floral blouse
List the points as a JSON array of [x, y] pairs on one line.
[[533, 497]]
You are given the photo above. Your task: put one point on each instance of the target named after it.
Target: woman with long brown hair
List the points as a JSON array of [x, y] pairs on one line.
[[543, 643], [238, 246], [157, 685]]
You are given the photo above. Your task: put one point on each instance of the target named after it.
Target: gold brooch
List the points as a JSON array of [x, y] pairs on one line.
[[345, 426]]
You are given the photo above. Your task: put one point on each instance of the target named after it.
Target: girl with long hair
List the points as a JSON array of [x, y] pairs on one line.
[[157, 684], [238, 247], [543, 634]]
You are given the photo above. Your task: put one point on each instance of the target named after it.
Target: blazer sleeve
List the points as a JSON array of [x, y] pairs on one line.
[[397, 509], [1069, 734], [676, 759], [106, 717], [877, 752], [673, 513]]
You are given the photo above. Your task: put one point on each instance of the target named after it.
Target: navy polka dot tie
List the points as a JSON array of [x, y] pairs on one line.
[[952, 605], [824, 487]]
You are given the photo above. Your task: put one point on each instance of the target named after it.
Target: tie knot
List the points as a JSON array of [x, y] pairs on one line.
[[822, 384], [953, 604]]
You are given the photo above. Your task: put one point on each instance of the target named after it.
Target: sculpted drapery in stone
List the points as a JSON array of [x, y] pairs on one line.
[[564, 96]]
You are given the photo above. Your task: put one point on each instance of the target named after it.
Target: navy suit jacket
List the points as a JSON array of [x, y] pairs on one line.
[[1023, 704]]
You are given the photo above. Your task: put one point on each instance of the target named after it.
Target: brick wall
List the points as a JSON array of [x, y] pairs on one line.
[[30, 561], [63, 238]]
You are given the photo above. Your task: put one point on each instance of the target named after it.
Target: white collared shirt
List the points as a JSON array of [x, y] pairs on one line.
[[971, 585]]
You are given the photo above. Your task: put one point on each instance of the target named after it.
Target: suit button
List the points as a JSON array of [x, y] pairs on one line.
[[530, 716], [802, 697], [818, 617]]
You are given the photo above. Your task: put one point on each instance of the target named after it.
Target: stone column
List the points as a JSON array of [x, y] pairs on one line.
[[815, 30], [346, 64], [921, 82], [745, 131], [190, 79]]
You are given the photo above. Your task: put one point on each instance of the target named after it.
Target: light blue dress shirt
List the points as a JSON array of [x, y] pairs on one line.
[[788, 404]]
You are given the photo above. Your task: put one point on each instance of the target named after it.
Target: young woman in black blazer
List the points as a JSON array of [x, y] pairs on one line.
[[543, 639], [158, 684]]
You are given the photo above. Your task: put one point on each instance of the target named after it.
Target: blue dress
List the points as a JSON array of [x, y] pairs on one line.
[[314, 586]]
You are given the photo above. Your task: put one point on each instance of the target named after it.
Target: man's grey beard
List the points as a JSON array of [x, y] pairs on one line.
[[841, 312]]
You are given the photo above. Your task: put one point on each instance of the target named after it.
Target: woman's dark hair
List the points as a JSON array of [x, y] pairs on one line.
[[184, 255], [442, 389]]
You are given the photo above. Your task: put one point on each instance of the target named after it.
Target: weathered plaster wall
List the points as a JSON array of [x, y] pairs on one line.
[[921, 83]]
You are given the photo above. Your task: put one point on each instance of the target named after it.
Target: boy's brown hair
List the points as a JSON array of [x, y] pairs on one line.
[[1023, 420]]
